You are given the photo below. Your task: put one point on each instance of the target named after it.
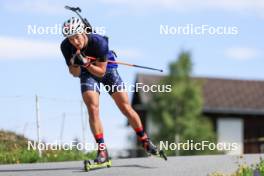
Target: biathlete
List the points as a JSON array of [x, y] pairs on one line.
[[76, 48]]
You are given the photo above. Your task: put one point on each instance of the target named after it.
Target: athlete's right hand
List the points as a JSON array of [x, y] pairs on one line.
[[79, 59]]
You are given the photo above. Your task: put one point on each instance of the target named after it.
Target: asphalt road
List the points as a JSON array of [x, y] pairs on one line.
[[182, 166]]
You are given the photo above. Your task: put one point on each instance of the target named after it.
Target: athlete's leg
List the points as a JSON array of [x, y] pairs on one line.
[[118, 93], [90, 93], [120, 97], [121, 100], [91, 99]]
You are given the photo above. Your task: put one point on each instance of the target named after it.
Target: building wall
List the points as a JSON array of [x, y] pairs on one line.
[[230, 130], [254, 134]]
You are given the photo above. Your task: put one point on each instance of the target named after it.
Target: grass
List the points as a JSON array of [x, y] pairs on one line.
[[13, 149], [245, 170]]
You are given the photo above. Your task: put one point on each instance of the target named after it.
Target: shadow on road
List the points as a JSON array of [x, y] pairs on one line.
[[74, 169], [135, 165], [36, 170]]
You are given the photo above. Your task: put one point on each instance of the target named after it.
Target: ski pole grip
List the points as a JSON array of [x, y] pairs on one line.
[[75, 9]]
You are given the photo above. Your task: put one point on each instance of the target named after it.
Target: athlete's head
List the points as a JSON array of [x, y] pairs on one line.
[[74, 30]]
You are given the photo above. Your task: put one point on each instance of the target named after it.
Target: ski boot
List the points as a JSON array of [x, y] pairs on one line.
[[152, 149]]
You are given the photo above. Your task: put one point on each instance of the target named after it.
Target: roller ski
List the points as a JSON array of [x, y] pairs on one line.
[[102, 161], [152, 150]]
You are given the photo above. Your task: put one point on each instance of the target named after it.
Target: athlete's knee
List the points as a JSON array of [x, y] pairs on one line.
[[93, 110]]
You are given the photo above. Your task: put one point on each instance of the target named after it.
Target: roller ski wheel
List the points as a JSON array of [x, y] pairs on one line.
[[159, 154], [163, 155], [102, 160], [91, 165]]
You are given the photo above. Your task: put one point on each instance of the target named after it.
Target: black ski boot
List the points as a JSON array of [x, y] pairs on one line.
[[152, 149], [149, 147]]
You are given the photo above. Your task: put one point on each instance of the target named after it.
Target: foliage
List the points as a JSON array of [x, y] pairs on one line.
[[179, 112]]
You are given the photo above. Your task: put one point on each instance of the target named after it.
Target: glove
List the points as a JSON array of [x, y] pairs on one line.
[[79, 59]]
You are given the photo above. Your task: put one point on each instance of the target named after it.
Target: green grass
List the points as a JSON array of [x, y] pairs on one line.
[[13, 149], [245, 170]]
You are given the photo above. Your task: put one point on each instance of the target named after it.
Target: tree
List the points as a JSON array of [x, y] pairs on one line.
[[179, 112]]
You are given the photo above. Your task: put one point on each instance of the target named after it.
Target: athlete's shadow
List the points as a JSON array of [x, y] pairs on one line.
[[38, 169], [135, 165], [125, 166], [73, 169]]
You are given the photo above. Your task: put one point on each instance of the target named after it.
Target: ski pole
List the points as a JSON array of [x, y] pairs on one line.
[[127, 64]]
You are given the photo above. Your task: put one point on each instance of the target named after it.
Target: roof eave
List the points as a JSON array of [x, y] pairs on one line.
[[238, 111]]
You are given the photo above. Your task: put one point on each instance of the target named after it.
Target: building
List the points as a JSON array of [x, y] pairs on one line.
[[236, 108]]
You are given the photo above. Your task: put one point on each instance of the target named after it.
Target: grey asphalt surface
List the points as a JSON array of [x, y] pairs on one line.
[[182, 166]]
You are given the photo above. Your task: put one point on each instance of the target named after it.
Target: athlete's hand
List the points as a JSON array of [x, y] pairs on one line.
[[79, 59]]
